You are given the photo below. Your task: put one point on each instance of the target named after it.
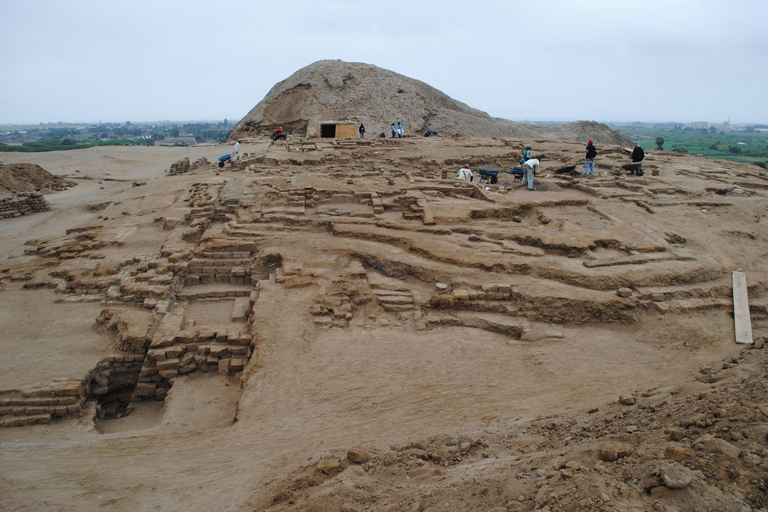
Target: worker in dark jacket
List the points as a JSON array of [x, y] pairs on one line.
[[589, 166], [637, 154]]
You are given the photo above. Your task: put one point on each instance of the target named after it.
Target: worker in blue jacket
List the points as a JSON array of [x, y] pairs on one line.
[[526, 154]]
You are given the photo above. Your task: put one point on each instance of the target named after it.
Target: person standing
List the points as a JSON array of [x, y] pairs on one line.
[[529, 171], [526, 154], [236, 153], [362, 131], [393, 130], [399, 130], [589, 165]]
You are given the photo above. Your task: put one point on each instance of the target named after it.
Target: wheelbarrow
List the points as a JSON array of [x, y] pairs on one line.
[[224, 159], [517, 173], [634, 169], [488, 175]]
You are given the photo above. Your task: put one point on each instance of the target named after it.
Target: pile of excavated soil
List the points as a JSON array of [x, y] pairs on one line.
[[337, 90], [697, 446], [29, 178]]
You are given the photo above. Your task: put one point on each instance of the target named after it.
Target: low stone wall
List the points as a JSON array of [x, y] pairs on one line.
[[16, 205], [183, 166], [205, 350], [66, 398], [229, 267], [175, 351], [200, 163], [415, 207], [179, 167], [504, 298], [41, 404]]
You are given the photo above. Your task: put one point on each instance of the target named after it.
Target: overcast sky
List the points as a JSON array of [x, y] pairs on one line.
[[604, 60]]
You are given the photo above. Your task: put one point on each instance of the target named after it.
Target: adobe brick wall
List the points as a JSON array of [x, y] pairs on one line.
[[16, 205]]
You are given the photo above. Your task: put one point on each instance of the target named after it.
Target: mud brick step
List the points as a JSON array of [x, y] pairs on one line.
[[21, 410], [239, 339], [199, 263], [397, 307], [173, 352], [238, 350], [34, 401], [57, 410], [395, 299], [167, 364], [145, 389], [240, 309], [73, 389], [25, 420], [384, 292], [218, 350], [168, 374]]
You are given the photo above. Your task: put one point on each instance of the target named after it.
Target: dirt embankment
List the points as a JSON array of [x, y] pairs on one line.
[[15, 178]]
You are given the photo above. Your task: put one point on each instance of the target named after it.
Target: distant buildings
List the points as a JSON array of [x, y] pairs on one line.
[[183, 138]]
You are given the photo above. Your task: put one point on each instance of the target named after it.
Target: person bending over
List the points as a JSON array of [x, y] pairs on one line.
[[529, 171]]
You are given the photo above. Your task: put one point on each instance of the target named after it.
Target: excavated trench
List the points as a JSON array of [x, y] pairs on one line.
[[112, 384]]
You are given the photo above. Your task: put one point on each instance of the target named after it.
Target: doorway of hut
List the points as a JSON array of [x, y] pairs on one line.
[[328, 130]]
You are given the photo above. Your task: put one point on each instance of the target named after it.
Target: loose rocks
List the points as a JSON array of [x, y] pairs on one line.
[[675, 476], [358, 456]]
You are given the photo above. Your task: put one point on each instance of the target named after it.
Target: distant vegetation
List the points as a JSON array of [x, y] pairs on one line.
[[61, 137], [749, 146], [63, 145]]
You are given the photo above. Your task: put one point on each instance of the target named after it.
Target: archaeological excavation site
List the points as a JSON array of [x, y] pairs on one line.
[[343, 325]]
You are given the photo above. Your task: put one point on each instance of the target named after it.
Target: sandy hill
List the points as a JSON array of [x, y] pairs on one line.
[[28, 178], [337, 90]]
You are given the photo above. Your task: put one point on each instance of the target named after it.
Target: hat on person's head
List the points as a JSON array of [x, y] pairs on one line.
[[527, 146], [637, 143], [590, 141]]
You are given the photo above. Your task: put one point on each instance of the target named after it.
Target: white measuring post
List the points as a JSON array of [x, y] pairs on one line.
[[741, 319]]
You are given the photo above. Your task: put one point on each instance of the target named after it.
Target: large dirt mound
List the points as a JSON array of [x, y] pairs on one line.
[[29, 178], [337, 90]]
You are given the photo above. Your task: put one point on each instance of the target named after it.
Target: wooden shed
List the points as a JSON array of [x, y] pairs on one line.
[[336, 129]]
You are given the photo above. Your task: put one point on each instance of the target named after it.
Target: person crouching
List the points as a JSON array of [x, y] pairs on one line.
[[465, 173]]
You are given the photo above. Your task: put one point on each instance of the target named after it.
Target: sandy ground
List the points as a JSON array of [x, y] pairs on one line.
[[68, 346], [397, 384]]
